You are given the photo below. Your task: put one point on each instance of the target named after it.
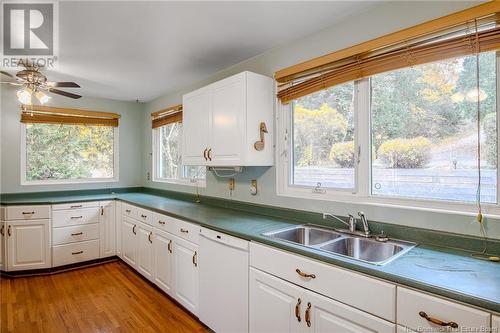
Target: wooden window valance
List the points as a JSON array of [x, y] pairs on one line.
[[39, 114], [172, 114], [460, 34]]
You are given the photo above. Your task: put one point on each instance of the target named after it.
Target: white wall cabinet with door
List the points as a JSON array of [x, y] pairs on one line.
[[107, 229], [277, 305], [222, 122]]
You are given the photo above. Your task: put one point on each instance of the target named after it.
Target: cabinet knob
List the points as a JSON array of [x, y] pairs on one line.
[[161, 222], [305, 275], [435, 321], [8, 231], [133, 229], [75, 206], [77, 233], [308, 314], [297, 309], [209, 154], [195, 260], [75, 253], [2, 230], [205, 153], [28, 213], [186, 231], [169, 246], [149, 237]]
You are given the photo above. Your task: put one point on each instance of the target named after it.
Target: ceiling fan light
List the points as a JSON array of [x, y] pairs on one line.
[[24, 96], [43, 98]]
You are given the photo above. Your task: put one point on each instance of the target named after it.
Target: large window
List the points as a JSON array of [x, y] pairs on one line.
[[58, 153], [409, 134], [323, 139], [167, 163], [424, 130]]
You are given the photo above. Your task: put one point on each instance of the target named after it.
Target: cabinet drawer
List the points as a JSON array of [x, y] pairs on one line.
[[75, 205], [186, 230], [340, 284], [411, 303], [137, 213], [63, 218], [163, 222], [75, 233], [75, 252], [28, 212]]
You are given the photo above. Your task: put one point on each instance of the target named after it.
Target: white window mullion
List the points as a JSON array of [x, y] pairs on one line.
[[363, 136]]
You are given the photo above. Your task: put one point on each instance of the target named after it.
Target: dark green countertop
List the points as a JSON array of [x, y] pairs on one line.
[[449, 273]]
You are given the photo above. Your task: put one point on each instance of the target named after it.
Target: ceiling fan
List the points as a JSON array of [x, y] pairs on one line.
[[34, 82]]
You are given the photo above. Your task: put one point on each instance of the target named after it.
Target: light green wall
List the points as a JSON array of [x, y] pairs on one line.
[[382, 19], [130, 142]]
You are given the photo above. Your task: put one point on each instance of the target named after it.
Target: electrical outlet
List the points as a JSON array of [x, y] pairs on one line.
[[148, 176], [232, 184]]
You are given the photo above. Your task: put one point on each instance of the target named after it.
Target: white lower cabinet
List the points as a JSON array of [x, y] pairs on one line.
[[279, 306], [164, 261], [107, 229], [186, 274], [2, 245], [145, 251], [129, 241], [28, 245]]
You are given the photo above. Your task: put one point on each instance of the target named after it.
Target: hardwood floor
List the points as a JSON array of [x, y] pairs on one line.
[[104, 298]]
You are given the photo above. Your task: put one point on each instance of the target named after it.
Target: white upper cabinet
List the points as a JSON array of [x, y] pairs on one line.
[[222, 122]]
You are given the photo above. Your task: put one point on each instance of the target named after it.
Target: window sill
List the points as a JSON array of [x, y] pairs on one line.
[[68, 181], [432, 206], [201, 183]]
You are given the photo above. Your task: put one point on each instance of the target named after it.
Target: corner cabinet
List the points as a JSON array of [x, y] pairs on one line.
[[222, 122]]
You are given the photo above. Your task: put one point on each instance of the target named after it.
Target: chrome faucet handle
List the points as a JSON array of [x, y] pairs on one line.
[[366, 228], [352, 223]]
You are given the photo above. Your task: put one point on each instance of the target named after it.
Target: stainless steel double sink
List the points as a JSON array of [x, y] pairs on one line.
[[336, 242]]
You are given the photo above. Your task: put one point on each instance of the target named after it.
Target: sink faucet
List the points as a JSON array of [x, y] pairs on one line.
[[352, 223]]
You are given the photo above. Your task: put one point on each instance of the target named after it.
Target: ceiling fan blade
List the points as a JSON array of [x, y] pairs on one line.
[[7, 74], [63, 84], [64, 93]]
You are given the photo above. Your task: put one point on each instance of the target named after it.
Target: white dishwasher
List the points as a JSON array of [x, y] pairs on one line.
[[223, 269]]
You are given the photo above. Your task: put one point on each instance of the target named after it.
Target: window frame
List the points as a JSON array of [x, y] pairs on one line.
[[116, 166], [363, 194], [155, 165]]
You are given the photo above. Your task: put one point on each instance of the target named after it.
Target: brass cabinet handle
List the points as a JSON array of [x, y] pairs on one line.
[[169, 246], [305, 275], [76, 206], [28, 213], [133, 229], [75, 253], [143, 216], [308, 314], [102, 211], [186, 231], [127, 210], [2, 230], [205, 153], [76, 217], [209, 154], [195, 261], [451, 324], [149, 237], [77, 233], [161, 222], [297, 309], [8, 231]]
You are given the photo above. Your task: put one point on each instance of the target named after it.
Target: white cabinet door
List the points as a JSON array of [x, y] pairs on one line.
[[195, 128], [163, 261], [28, 245], [325, 315], [186, 274], [2, 245], [227, 120], [145, 250], [107, 229], [275, 305], [118, 227], [129, 241]]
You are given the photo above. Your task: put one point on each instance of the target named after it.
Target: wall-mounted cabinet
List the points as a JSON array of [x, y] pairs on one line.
[[222, 122]]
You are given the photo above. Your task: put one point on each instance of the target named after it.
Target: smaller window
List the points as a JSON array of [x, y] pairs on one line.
[[168, 167]]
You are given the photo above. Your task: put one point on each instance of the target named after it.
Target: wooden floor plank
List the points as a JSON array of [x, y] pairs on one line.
[[104, 298]]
